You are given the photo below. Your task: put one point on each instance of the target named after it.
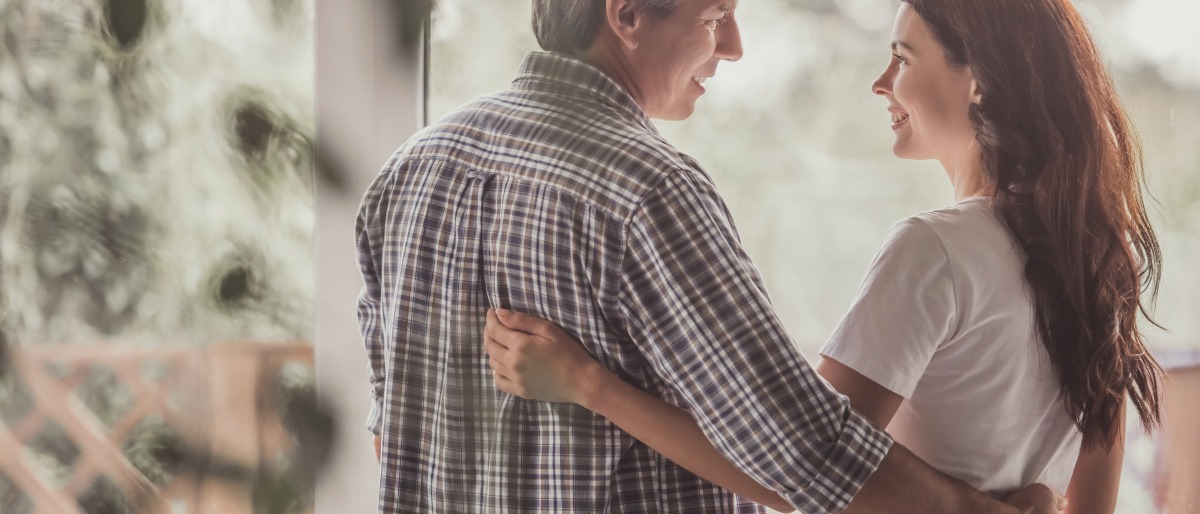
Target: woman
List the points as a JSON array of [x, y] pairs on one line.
[[995, 338]]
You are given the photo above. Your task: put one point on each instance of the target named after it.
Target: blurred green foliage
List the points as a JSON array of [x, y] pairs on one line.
[[156, 187]]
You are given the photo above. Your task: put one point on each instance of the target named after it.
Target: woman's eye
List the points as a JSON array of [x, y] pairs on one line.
[[901, 60]]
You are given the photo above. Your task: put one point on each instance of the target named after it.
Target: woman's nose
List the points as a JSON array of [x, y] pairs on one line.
[[883, 83]]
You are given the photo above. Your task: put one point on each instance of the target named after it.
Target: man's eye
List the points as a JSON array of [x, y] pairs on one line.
[[713, 24]]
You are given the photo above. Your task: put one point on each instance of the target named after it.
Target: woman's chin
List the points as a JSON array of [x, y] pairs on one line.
[[908, 153]]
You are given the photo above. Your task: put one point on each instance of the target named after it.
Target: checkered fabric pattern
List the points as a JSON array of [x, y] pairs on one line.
[[558, 197]]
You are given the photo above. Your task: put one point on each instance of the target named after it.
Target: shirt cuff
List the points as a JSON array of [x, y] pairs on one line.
[[852, 460], [375, 419]]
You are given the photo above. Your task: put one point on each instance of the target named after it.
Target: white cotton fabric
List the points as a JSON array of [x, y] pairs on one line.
[[944, 318]]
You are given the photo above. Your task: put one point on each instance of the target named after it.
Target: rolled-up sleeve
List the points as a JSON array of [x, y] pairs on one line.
[[697, 308], [368, 238]]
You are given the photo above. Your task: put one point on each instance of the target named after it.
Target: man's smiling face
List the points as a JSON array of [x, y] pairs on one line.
[[676, 52]]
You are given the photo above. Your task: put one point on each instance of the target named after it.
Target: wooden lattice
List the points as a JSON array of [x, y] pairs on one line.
[[218, 400]]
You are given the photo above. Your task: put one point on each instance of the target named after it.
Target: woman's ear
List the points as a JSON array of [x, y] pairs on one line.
[[623, 19], [976, 93]]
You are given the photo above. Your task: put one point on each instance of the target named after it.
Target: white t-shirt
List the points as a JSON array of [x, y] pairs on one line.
[[944, 319]]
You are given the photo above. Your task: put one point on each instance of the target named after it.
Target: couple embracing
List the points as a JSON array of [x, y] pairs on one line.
[[560, 317]]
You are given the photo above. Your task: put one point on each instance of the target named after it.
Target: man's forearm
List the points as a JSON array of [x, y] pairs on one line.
[[905, 483]]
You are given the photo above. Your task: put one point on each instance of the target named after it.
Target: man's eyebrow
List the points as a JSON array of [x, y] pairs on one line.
[[724, 7]]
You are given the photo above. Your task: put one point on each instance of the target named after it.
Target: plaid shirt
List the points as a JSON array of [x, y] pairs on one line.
[[558, 197]]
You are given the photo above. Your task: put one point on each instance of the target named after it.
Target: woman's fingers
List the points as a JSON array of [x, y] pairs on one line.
[[509, 338], [492, 347], [496, 350], [527, 324], [499, 365], [494, 329], [501, 382], [529, 365], [498, 353], [497, 356], [507, 385]]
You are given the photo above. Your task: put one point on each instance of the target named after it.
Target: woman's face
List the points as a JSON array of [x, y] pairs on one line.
[[928, 99]]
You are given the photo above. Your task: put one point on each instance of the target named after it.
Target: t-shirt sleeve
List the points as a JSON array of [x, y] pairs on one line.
[[904, 310]]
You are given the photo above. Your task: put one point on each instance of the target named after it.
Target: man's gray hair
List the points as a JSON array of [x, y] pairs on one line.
[[569, 26]]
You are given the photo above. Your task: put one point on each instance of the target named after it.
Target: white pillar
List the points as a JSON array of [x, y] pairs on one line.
[[368, 103]]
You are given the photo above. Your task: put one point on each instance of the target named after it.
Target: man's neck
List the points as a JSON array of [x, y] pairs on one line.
[[610, 57]]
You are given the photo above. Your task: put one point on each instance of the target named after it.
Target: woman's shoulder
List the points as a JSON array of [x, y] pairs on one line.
[[971, 221], [940, 224], [969, 232], [971, 210]]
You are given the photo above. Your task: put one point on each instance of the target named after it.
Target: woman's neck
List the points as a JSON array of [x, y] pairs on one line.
[[966, 175]]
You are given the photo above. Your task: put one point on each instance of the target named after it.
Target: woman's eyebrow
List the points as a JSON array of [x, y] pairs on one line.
[[902, 44]]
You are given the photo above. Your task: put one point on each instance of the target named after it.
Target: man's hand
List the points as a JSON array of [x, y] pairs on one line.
[[905, 483], [378, 449], [1037, 499]]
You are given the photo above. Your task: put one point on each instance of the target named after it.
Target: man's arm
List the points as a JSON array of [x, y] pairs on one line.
[[902, 483], [879, 405], [535, 359], [369, 240], [905, 483], [695, 305]]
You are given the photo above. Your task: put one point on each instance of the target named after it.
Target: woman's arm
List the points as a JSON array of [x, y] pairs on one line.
[[552, 366], [1097, 476], [874, 401]]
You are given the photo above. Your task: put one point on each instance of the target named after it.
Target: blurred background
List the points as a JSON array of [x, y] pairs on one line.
[[157, 282], [178, 182]]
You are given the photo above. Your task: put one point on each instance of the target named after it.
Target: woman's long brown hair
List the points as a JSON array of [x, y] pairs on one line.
[[1067, 166]]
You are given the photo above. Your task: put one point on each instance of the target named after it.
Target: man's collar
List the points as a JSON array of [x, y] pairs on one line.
[[569, 76]]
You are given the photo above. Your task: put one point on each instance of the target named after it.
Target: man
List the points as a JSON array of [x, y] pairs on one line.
[[559, 198]]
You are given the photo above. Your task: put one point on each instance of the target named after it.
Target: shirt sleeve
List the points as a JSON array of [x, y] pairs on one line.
[[368, 238], [903, 311], [696, 306]]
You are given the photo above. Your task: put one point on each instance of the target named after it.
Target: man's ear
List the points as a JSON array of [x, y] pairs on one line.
[[623, 19]]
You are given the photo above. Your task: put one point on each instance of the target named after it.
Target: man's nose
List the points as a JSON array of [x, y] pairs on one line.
[[729, 42]]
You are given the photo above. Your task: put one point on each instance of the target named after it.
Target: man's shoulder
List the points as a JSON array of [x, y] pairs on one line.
[[566, 142]]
